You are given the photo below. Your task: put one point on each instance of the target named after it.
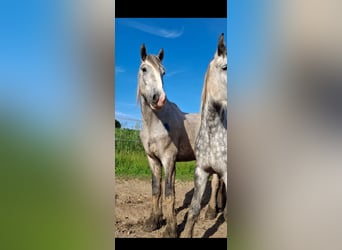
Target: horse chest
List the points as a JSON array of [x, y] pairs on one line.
[[156, 142], [211, 145], [218, 144]]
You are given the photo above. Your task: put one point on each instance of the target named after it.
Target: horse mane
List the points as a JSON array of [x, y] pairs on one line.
[[204, 90], [222, 110], [138, 93]]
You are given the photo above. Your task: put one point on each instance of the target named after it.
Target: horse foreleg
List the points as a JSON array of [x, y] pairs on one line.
[[171, 221], [155, 220], [201, 178], [214, 198], [224, 178]]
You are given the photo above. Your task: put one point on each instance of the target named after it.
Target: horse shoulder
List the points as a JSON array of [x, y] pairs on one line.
[[156, 140]]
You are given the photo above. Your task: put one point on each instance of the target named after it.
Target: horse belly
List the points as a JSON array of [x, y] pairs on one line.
[[185, 152], [183, 157]]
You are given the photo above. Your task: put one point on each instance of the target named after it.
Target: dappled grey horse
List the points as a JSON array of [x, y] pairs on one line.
[[168, 136], [211, 141]]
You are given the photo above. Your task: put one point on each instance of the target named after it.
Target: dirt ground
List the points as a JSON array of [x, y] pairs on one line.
[[133, 205]]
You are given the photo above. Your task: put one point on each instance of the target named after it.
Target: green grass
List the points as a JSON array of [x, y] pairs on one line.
[[131, 161], [131, 164], [47, 195]]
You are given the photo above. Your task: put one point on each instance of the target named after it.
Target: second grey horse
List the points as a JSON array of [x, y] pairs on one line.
[[211, 141]]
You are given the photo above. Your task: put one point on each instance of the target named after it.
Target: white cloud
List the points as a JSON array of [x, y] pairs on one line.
[[172, 73], [154, 30], [127, 117]]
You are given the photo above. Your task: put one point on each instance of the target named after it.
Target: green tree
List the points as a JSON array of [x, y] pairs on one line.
[[117, 124]]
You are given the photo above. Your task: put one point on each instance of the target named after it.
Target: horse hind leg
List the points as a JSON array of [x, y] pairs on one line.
[[221, 196], [201, 178], [155, 220], [214, 198]]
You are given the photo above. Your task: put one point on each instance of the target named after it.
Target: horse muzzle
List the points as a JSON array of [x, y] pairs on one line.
[[159, 102]]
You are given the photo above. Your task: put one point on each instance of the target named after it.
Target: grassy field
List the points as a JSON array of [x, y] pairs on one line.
[[131, 161]]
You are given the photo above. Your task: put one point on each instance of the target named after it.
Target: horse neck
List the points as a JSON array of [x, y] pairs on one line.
[[148, 115], [213, 115]]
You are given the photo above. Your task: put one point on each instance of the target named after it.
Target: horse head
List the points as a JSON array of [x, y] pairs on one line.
[[215, 85], [150, 78]]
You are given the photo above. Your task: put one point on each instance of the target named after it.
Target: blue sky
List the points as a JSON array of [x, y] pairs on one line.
[[189, 44], [35, 63], [42, 79]]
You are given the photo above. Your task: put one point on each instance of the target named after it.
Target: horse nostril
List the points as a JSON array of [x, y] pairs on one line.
[[155, 97]]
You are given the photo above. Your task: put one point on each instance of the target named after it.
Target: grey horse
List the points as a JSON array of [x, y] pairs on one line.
[[211, 141], [168, 136]]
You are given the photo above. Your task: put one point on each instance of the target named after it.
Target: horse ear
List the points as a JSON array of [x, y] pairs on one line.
[[221, 48], [161, 54], [143, 52]]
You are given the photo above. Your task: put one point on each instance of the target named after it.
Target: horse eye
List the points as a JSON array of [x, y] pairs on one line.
[[224, 67], [143, 69]]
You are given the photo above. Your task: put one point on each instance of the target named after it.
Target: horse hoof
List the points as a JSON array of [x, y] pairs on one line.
[[211, 213], [185, 235], [152, 223], [169, 233]]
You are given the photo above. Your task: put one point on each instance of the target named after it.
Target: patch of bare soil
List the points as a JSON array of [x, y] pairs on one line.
[[133, 206]]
